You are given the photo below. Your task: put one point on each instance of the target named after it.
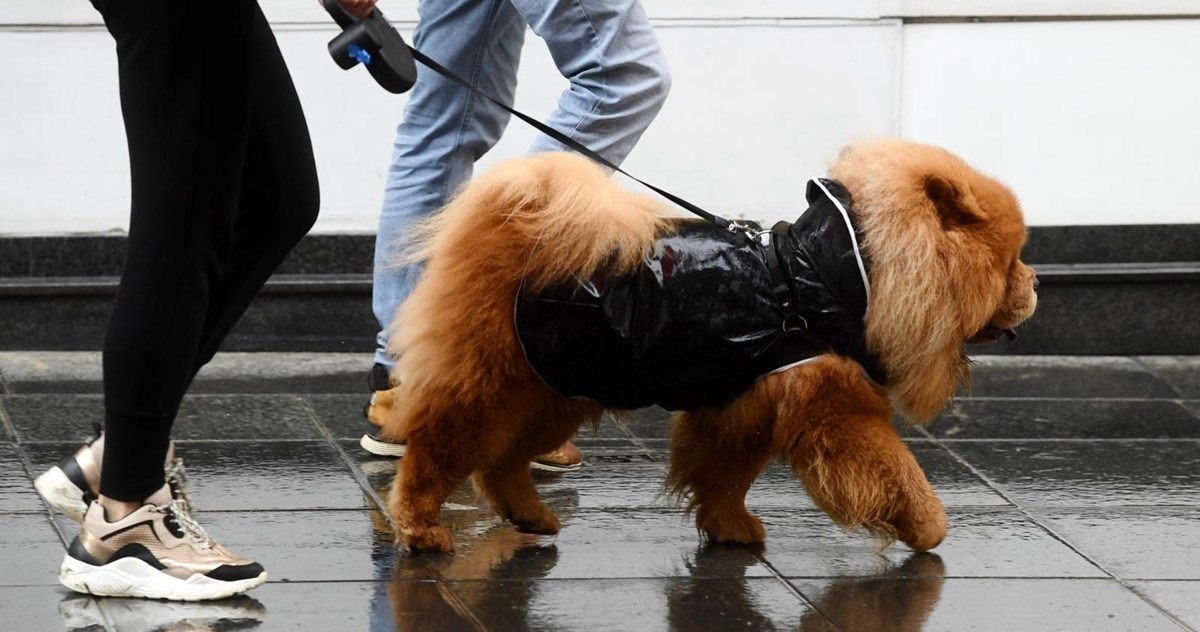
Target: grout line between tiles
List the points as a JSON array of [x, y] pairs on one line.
[[1053, 534], [359, 478]]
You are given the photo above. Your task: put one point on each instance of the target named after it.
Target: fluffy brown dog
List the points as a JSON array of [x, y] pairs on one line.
[[943, 240]]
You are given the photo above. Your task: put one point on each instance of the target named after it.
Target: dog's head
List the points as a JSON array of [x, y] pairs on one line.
[[944, 242]]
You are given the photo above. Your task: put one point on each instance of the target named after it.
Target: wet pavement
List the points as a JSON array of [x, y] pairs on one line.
[[1072, 485]]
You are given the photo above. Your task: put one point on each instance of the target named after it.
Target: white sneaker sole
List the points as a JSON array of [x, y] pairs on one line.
[[546, 467], [382, 448], [131, 577], [61, 493]]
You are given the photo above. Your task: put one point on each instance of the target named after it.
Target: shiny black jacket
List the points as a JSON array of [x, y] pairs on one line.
[[710, 311]]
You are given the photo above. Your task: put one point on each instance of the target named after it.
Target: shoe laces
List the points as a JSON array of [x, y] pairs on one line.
[[176, 512], [177, 478]]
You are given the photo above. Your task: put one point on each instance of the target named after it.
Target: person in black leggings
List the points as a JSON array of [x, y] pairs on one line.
[[223, 185]]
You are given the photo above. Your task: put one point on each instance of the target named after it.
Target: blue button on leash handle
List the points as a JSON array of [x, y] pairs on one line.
[[372, 42]]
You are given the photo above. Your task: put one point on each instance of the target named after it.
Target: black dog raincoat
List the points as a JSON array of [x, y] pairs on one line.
[[709, 311]]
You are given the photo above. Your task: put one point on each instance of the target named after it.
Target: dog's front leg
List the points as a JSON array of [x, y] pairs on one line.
[[837, 434]]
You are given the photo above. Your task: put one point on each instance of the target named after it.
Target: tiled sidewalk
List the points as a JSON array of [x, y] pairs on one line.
[[1073, 487]]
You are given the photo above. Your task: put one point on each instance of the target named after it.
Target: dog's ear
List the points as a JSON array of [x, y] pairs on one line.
[[955, 205]]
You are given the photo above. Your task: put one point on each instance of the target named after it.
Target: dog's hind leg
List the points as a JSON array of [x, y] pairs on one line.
[[447, 440], [425, 477], [715, 457], [508, 487], [508, 483], [836, 430]]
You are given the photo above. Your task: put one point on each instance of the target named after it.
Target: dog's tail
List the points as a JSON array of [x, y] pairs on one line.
[[556, 215], [536, 220]]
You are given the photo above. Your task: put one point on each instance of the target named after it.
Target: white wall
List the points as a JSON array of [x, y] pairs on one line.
[[1091, 121]]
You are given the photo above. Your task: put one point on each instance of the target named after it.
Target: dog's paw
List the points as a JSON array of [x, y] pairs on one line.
[[923, 526], [923, 535], [736, 529], [435, 539], [543, 523]]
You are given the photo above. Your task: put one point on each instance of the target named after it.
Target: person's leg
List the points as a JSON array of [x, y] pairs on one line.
[[618, 74], [186, 104], [444, 131], [200, 170], [279, 197]]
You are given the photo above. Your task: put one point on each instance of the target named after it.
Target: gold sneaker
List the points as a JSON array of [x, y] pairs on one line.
[[156, 552], [74, 483]]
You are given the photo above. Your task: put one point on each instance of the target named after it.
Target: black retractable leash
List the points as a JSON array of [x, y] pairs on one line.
[[374, 42]]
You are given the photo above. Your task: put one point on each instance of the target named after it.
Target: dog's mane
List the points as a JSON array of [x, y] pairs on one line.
[[930, 283]]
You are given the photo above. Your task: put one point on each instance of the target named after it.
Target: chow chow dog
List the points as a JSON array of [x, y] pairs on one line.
[[551, 295]]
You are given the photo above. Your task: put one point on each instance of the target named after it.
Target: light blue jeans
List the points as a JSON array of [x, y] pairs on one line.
[[607, 51]]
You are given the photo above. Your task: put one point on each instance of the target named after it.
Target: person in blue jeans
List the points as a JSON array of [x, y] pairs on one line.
[[618, 81]]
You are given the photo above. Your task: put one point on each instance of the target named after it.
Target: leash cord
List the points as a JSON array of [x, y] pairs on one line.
[[571, 142]]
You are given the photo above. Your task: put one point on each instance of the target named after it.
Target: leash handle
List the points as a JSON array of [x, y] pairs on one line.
[[568, 141]]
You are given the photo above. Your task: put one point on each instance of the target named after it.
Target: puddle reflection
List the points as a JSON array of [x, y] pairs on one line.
[[498, 579], [84, 613], [899, 599]]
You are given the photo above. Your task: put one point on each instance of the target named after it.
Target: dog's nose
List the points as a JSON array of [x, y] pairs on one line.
[[1036, 283]]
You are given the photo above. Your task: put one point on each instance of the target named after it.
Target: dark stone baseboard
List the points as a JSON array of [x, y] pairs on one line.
[[1105, 290], [101, 255]]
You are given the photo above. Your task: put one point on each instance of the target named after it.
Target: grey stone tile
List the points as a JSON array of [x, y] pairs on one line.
[[900, 598], [244, 417], [51, 371], [37, 608], [54, 417], [1180, 598], [1181, 372], [606, 485], [83, 612], [600, 483], [637, 604], [982, 542], [342, 415], [649, 423], [982, 605], [1064, 376], [593, 544], [64, 417], [1066, 419], [228, 372], [237, 476], [31, 550], [1133, 543], [16, 487], [1089, 473], [6, 435], [375, 606]]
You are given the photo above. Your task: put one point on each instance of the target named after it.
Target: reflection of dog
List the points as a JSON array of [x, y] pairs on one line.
[[899, 599], [925, 258]]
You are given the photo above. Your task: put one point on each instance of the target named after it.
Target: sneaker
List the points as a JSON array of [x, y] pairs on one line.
[[566, 458], [74, 483], [156, 552], [382, 398]]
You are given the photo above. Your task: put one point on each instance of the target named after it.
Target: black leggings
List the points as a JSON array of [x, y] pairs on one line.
[[223, 186]]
